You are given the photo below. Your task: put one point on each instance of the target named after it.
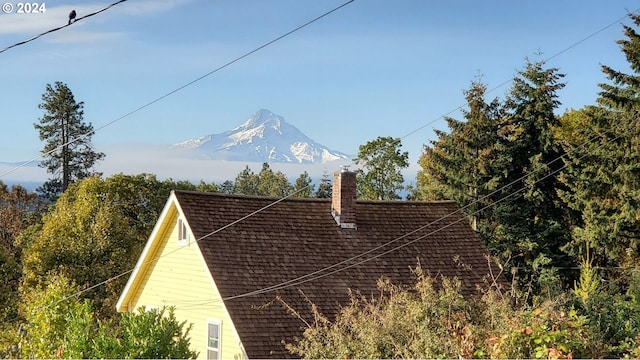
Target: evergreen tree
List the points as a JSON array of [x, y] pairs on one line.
[[458, 165], [380, 176], [246, 182], [603, 167], [273, 184], [531, 223], [325, 188], [226, 187], [68, 154], [303, 187]]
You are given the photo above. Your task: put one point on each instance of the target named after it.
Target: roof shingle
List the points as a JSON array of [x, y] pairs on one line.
[[298, 237]]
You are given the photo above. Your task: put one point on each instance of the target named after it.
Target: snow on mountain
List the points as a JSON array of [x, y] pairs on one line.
[[264, 137]]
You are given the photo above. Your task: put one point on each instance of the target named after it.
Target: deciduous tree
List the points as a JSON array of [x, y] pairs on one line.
[[380, 176], [58, 325]]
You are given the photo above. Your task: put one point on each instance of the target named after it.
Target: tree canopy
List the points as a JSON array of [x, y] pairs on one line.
[[380, 176], [68, 152]]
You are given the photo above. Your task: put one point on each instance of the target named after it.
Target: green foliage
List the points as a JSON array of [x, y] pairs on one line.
[[434, 320], [58, 325], [246, 183], [496, 166], [87, 237], [272, 184], [48, 311], [18, 210], [532, 226], [428, 321], [459, 165], [325, 188], [303, 186], [603, 175], [95, 231], [68, 154], [381, 162], [155, 334], [546, 332], [612, 313]]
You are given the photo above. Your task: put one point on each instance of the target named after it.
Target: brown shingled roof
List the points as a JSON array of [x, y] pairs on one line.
[[299, 236]]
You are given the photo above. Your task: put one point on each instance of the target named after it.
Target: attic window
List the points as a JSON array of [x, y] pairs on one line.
[[183, 234]]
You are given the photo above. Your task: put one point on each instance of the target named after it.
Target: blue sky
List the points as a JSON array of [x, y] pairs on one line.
[[373, 68]]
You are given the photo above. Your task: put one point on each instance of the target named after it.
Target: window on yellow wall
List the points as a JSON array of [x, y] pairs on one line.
[[213, 340], [183, 234]]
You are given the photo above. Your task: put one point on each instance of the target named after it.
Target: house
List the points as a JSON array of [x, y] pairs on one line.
[[230, 263]]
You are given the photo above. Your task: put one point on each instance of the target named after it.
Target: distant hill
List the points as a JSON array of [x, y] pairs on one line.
[[264, 137]]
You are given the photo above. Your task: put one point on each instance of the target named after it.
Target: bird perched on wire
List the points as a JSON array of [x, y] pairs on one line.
[[72, 16]]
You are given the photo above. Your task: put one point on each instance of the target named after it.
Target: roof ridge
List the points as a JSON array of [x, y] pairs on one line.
[[306, 199], [253, 197]]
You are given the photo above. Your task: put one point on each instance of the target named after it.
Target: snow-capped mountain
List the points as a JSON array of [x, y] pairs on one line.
[[264, 137]]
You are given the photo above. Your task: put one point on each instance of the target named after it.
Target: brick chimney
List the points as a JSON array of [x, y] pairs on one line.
[[343, 198]]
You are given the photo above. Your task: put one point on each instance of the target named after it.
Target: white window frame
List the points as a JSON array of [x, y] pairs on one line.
[[217, 323], [183, 233]]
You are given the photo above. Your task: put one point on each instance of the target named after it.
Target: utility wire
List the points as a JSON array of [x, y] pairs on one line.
[[509, 81], [349, 263], [61, 27], [78, 293], [158, 99], [319, 273], [322, 272], [335, 268]]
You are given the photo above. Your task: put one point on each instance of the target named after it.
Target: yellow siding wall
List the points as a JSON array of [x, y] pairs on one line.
[[180, 278]]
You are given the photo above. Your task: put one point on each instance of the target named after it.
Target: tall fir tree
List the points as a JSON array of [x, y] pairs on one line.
[[458, 165], [68, 152], [603, 166], [531, 223]]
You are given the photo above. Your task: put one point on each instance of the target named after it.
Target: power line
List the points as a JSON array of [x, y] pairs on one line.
[[320, 273], [335, 268], [62, 27], [158, 99], [508, 81]]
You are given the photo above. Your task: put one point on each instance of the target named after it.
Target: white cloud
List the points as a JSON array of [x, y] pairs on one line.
[[30, 173], [170, 163], [30, 25], [33, 24], [167, 163]]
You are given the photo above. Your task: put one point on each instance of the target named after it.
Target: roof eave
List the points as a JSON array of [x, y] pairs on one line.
[[123, 302]]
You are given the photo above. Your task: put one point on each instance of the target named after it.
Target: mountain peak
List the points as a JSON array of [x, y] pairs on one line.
[[263, 119], [264, 137]]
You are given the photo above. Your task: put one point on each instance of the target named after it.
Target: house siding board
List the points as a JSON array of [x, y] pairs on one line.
[[299, 236], [180, 279]]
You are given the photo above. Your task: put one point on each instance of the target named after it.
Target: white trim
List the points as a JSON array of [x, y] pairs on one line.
[[229, 321], [142, 261], [218, 349], [184, 234]]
